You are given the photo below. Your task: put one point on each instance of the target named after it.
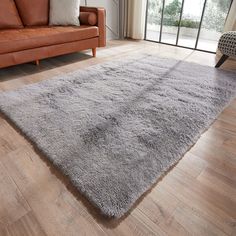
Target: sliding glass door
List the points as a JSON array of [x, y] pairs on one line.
[[195, 24]]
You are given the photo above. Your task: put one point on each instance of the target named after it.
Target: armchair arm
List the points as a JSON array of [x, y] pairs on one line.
[[101, 22]]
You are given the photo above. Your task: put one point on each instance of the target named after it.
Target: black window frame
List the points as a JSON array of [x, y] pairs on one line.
[[179, 26]]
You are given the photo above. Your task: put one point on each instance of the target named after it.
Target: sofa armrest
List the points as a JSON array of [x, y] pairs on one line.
[[101, 22]]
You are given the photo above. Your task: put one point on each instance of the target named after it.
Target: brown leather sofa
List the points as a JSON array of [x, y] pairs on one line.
[[25, 35]]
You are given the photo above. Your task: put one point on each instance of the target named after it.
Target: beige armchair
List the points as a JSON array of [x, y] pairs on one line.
[[227, 46]]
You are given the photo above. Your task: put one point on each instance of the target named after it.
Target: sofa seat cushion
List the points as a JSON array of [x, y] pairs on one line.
[[13, 40]]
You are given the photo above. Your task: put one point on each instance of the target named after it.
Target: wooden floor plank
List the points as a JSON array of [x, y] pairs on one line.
[[219, 183], [173, 228], [12, 203], [26, 226], [192, 165], [158, 205], [195, 224], [46, 194], [8, 140], [4, 232], [212, 206]]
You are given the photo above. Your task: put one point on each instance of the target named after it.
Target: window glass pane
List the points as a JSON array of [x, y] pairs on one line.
[[213, 23], [189, 25], [154, 19], [171, 17], [214, 15]]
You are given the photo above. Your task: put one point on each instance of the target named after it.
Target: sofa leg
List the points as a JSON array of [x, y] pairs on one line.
[[221, 61], [37, 62], [94, 50]]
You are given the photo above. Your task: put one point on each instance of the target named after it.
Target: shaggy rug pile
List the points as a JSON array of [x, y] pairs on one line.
[[115, 128]]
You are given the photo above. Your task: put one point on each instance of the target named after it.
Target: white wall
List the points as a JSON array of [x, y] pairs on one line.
[[112, 12]]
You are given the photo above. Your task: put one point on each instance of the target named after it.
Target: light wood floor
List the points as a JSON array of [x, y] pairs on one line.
[[197, 197]]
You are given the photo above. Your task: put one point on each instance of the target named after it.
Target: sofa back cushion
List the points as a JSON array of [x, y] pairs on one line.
[[9, 17], [33, 12]]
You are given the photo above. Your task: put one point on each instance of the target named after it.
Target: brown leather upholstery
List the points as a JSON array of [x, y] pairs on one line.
[[38, 42], [9, 17], [33, 12], [28, 38], [101, 22], [88, 18], [45, 52]]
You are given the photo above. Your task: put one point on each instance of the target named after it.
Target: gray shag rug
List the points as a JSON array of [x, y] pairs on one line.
[[115, 128]]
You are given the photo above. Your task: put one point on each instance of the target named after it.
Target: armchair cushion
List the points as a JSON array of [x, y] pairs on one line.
[[227, 43]]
